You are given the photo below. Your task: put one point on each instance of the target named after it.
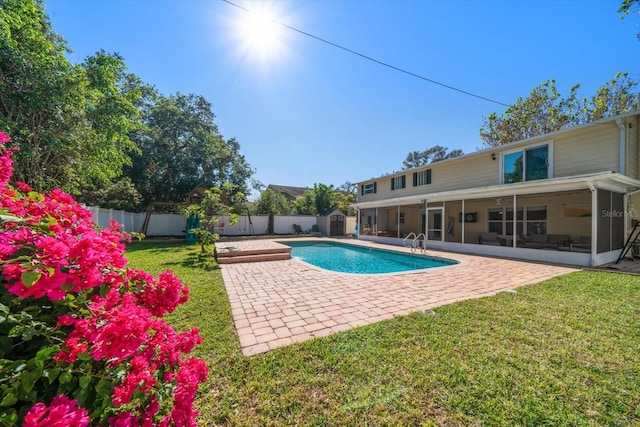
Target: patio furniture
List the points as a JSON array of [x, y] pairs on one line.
[[548, 241], [297, 229], [490, 238], [582, 245]]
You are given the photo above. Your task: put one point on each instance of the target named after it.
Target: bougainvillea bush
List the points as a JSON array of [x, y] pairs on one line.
[[82, 338]]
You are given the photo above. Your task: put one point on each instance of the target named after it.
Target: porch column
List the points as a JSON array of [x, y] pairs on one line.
[[398, 221], [515, 221], [375, 229], [463, 215], [594, 223]]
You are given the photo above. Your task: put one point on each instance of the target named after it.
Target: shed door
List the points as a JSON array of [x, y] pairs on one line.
[[336, 227]]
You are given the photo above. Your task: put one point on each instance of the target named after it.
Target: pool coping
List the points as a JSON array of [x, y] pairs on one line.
[[278, 303], [386, 248]]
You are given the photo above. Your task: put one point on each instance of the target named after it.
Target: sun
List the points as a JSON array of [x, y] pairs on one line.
[[260, 34]]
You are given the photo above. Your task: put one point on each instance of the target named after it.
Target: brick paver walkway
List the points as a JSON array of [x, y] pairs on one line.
[[282, 302]]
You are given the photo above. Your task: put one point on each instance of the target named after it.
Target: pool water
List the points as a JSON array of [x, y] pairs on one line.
[[361, 260]]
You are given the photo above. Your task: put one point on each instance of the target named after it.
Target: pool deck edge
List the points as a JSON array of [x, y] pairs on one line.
[[279, 303]]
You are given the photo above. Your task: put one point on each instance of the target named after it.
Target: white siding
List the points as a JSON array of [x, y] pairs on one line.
[[583, 151]]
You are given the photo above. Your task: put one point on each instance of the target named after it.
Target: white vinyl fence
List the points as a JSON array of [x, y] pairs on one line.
[[174, 224], [159, 224]]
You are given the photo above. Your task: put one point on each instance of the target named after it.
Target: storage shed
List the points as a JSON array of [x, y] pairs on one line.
[[332, 222]]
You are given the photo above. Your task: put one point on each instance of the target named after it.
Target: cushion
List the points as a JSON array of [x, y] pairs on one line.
[[538, 238], [559, 238], [489, 236], [584, 240]]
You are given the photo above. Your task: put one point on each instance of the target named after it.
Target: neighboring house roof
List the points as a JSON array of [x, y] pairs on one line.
[[289, 192]]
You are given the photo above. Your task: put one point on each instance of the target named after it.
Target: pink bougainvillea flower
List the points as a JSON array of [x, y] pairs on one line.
[[62, 412], [52, 251], [6, 165]]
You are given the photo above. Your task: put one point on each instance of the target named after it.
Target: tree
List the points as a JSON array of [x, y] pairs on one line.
[[436, 153], [545, 110], [342, 201], [217, 201], [181, 149], [113, 101], [39, 93], [627, 6], [348, 187], [270, 202], [70, 122], [120, 194], [306, 204], [323, 197]]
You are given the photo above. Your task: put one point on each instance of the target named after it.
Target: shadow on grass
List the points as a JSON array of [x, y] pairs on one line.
[[200, 260], [186, 255]]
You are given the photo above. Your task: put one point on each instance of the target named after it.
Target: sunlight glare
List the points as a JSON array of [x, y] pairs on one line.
[[260, 36]]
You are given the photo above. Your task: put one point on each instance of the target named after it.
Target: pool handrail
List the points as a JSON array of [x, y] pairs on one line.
[[408, 236], [424, 239]]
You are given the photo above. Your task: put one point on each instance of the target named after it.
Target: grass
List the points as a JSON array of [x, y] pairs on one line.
[[562, 352]]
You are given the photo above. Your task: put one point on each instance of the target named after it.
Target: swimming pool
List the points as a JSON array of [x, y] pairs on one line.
[[361, 260]]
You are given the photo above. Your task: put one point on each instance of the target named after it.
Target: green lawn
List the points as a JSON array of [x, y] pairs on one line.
[[562, 352]]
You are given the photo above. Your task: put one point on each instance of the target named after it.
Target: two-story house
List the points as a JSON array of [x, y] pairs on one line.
[[570, 196]]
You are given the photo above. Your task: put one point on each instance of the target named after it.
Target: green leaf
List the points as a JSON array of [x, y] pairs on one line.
[[44, 355], [85, 381], [10, 218], [30, 277], [29, 378], [85, 357], [9, 397], [65, 377], [9, 417], [51, 374], [35, 195], [104, 388]]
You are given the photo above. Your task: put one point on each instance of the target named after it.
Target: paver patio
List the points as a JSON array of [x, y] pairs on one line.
[[278, 303]]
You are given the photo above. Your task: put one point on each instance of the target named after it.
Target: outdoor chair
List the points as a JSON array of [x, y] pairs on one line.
[[490, 238]]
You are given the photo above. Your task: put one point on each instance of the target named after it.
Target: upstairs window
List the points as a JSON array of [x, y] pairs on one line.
[[526, 165], [368, 189], [398, 182], [422, 178]]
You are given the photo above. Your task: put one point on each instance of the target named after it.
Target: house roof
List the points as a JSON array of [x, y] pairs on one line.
[[291, 192], [512, 144], [606, 180], [329, 211]]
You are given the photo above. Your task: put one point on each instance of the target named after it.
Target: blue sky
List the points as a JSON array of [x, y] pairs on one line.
[[313, 113]]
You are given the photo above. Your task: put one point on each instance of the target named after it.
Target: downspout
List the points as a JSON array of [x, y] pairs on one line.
[[594, 222], [623, 147]]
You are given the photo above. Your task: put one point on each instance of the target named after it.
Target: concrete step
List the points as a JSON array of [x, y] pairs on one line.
[[230, 252], [236, 259]]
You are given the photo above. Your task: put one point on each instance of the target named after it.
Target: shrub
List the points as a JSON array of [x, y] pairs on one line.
[[82, 338]]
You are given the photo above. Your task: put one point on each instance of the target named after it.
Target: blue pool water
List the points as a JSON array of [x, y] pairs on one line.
[[361, 260]]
